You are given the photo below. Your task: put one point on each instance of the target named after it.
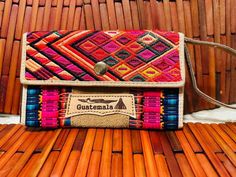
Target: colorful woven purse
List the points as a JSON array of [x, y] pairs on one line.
[[116, 79]]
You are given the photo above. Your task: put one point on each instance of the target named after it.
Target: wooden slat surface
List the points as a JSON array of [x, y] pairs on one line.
[[212, 20], [115, 152]]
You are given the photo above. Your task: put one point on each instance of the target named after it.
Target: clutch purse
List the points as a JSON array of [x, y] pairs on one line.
[[113, 79]]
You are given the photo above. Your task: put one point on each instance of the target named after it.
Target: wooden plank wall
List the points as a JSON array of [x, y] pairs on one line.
[[212, 20]]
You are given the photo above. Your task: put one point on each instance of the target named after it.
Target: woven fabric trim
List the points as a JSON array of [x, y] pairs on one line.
[[181, 107], [106, 83], [23, 105]]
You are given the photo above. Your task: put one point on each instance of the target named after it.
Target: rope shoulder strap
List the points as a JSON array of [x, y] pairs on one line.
[[192, 75]]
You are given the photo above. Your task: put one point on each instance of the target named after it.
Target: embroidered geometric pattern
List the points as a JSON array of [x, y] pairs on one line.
[[155, 108], [144, 56]]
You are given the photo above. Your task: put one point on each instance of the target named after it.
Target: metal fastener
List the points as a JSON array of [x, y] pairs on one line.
[[100, 68]]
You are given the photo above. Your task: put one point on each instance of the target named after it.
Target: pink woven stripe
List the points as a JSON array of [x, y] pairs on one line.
[[152, 93], [50, 99], [151, 110]]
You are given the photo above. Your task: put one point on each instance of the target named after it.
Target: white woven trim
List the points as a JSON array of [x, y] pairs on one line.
[[104, 83], [181, 107], [23, 104], [23, 59], [181, 56]]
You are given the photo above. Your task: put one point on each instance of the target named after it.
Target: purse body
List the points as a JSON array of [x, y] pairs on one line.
[[114, 79]]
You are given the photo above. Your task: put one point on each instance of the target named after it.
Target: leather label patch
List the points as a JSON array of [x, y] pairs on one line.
[[100, 104]]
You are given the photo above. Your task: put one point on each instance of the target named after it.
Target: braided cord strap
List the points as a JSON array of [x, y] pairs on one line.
[[192, 75]]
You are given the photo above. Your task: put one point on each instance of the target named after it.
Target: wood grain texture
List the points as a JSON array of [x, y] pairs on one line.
[[192, 159], [26, 156], [105, 167], [20, 156], [83, 164], [10, 164], [117, 166], [149, 159], [225, 146], [3, 89], [206, 165], [49, 164], [128, 166], [71, 163], [38, 163], [98, 142], [117, 140], [139, 167], [9, 41], [227, 164], [28, 166], [162, 166], [170, 158], [184, 165], [65, 152], [209, 151], [94, 164]]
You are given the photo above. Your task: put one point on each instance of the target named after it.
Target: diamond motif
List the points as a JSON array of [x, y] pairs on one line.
[[99, 39], [87, 46], [151, 72], [123, 40], [175, 72], [171, 36], [123, 54], [174, 56], [163, 64], [134, 62], [99, 54], [135, 47], [147, 39], [111, 47], [112, 33], [146, 55], [160, 47], [135, 33], [138, 78], [110, 61], [164, 78], [122, 69], [141, 55]]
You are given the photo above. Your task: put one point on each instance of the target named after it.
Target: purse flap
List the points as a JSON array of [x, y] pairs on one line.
[[137, 58]]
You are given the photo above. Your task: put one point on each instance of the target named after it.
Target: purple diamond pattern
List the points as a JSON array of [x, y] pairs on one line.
[[110, 61], [111, 47], [146, 55], [99, 39], [164, 64], [134, 62], [160, 47], [129, 55], [123, 54], [123, 40]]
